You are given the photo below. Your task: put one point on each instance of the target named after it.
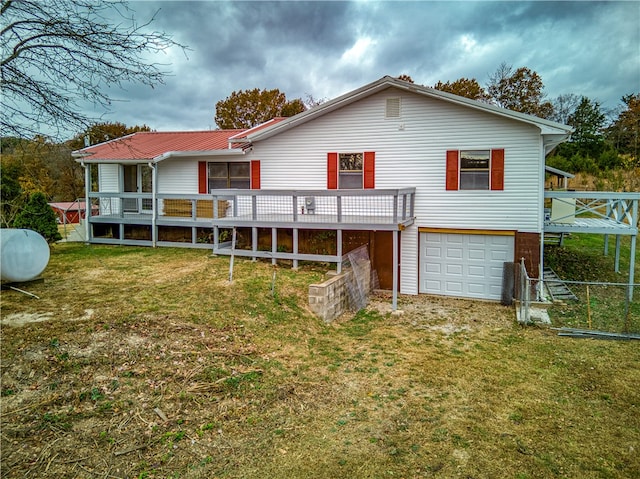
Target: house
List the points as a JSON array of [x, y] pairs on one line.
[[70, 212], [444, 189]]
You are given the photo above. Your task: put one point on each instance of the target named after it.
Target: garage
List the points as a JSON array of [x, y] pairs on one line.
[[463, 264]]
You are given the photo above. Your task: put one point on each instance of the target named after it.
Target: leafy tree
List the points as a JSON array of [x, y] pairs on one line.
[[520, 90], [12, 196], [588, 121], [38, 216], [249, 108], [466, 87], [624, 131], [405, 77], [310, 101], [101, 132], [563, 106], [58, 54]]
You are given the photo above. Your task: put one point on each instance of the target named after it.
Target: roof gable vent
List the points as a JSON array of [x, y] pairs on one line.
[[392, 108]]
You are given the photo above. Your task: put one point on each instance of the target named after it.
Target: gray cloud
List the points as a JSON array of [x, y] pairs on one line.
[[328, 48]]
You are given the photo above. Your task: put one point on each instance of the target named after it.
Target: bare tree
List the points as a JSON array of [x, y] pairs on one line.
[[59, 54]]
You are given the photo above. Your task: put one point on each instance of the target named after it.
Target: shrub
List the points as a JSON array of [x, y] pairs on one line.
[[38, 216]]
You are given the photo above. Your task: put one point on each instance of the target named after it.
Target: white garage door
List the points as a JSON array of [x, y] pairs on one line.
[[464, 265]]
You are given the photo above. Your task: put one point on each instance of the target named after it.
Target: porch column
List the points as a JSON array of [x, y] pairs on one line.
[[540, 292], [632, 265], [394, 302], [87, 205], [632, 252], [339, 250], [154, 205], [274, 245]]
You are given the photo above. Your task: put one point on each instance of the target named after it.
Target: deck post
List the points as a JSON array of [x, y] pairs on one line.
[[254, 241], [295, 248], [541, 268], [274, 245], [617, 263], [339, 250], [632, 265], [88, 208], [154, 205], [394, 301], [632, 248]]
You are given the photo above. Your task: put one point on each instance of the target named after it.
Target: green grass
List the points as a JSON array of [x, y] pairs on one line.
[[254, 386], [600, 307]]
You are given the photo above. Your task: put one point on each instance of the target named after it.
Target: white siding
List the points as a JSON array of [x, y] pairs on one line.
[[178, 175], [411, 151], [109, 182], [108, 178]]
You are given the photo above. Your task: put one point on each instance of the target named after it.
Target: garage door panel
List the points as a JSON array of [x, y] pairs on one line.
[[476, 289], [477, 272], [464, 265], [434, 268], [500, 255], [477, 254], [454, 269]]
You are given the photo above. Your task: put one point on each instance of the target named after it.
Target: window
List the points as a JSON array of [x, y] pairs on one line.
[[351, 170], [475, 170], [350, 174], [222, 175]]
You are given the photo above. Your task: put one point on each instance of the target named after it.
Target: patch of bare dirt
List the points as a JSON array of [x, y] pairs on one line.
[[445, 315], [22, 319]]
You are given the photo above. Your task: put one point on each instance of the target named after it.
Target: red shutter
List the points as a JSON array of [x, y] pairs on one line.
[[369, 169], [452, 170], [255, 174], [202, 178], [497, 169], [332, 171]]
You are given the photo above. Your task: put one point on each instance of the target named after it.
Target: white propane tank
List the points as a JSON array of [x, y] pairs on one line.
[[24, 254]]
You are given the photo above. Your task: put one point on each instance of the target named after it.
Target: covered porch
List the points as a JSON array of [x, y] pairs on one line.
[[599, 212]]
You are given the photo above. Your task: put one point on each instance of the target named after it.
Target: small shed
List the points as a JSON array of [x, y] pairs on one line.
[[562, 176], [71, 211]]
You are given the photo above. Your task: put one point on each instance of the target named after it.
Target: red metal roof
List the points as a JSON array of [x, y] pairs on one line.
[[150, 144], [68, 205], [243, 134]]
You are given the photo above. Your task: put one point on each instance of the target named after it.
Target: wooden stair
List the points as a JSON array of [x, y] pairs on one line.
[[554, 238]]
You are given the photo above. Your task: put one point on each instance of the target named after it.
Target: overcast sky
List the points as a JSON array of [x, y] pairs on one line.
[[325, 49]]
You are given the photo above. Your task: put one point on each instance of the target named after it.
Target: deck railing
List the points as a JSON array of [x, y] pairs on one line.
[[263, 207], [604, 210]]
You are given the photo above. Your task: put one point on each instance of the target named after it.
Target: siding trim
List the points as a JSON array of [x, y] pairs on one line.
[[202, 178], [452, 170], [255, 174], [425, 229], [369, 170], [332, 171], [497, 169]]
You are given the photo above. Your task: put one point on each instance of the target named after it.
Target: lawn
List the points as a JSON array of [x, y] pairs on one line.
[[148, 363]]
